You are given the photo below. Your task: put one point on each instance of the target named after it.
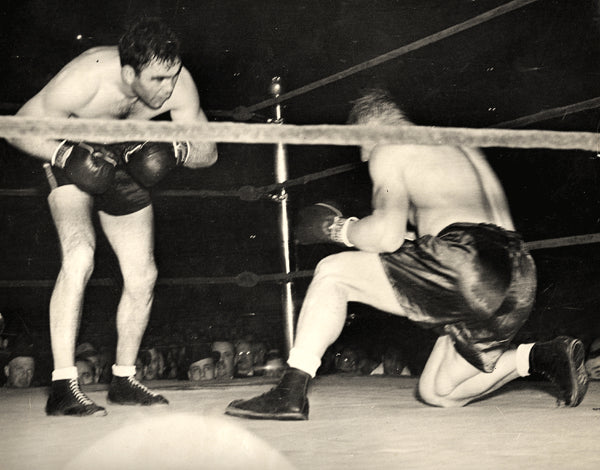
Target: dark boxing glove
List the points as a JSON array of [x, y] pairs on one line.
[[150, 162], [323, 223], [91, 167]]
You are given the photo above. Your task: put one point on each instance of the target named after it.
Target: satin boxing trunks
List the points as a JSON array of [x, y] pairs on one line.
[[474, 282], [124, 196]]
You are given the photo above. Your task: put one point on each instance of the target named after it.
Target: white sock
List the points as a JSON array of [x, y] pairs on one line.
[[522, 355], [123, 371], [304, 360], [65, 373]]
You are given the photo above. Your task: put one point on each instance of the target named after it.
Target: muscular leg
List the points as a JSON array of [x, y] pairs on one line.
[[71, 211], [339, 279], [132, 238], [448, 380]]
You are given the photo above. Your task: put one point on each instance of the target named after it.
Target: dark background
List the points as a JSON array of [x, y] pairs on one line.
[[542, 56]]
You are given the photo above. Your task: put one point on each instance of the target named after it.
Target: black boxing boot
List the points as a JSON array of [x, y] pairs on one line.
[[67, 399], [286, 401], [562, 362], [128, 391]]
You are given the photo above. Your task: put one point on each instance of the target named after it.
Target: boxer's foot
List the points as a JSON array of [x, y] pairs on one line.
[[562, 362], [67, 399], [287, 401], [128, 391]]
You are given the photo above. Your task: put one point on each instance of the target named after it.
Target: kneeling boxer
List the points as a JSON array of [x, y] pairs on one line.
[[468, 275]]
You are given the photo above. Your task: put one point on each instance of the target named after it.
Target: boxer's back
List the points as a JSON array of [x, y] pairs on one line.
[[450, 184]]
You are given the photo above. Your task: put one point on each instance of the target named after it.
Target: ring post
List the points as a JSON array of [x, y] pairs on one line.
[[281, 175]]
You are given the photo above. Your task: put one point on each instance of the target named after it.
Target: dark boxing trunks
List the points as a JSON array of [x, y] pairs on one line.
[[474, 282], [124, 196]]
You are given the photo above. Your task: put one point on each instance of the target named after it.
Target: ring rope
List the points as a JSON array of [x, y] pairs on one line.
[[243, 279], [250, 279], [245, 193], [246, 113], [336, 170], [243, 112], [551, 113], [105, 130]]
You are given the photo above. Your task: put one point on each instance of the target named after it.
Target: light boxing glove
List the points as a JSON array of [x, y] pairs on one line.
[[323, 223], [91, 167], [150, 162]]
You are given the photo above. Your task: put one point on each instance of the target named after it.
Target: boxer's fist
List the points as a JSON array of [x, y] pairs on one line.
[[89, 166], [322, 223], [150, 162]]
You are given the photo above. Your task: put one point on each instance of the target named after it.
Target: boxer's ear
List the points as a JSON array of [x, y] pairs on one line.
[[128, 74]]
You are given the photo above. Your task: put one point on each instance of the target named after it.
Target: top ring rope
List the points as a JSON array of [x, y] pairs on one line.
[[104, 130], [250, 279], [244, 113], [550, 113]]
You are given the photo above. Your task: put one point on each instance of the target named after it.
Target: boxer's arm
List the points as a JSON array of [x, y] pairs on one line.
[[187, 109], [384, 230], [60, 98]]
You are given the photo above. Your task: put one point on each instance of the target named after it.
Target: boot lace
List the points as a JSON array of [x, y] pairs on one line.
[[137, 385], [78, 394]]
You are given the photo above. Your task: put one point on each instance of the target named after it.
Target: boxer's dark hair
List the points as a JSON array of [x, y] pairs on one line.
[[376, 106], [146, 40]]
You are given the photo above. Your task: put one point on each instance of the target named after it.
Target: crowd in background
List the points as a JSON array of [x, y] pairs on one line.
[[399, 352]]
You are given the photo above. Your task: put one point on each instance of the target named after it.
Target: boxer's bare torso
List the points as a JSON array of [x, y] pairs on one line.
[[429, 187], [95, 86]]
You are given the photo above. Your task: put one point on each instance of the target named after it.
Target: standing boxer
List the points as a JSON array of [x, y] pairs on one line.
[[467, 274], [140, 78]]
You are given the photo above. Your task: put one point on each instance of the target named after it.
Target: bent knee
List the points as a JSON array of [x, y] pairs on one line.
[[140, 278], [435, 395], [78, 261], [336, 266]]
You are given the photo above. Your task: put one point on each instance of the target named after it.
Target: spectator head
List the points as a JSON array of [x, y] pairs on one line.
[[346, 360], [259, 353], [86, 372], [394, 362], [224, 367], [139, 366], [87, 352], [153, 363], [274, 364], [203, 369], [592, 363], [244, 359], [20, 369]]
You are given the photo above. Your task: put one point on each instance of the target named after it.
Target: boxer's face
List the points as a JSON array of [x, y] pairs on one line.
[[155, 83]]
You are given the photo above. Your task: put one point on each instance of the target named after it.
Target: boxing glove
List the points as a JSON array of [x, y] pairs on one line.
[[91, 167], [150, 162], [323, 223]]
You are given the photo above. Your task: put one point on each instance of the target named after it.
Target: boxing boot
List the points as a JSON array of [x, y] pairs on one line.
[[128, 391], [67, 399], [286, 401], [561, 361]]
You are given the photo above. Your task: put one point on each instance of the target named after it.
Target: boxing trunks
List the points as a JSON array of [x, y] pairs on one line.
[[474, 282], [124, 196]]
